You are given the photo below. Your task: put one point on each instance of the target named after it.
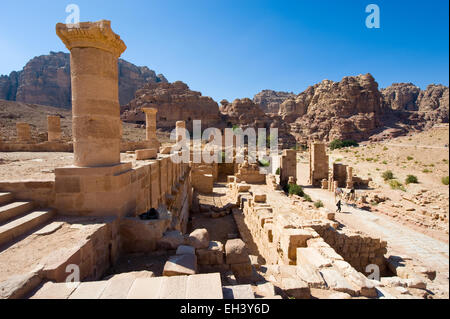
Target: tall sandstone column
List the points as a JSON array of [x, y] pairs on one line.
[[94, 51], [54, 128], [97, 184]]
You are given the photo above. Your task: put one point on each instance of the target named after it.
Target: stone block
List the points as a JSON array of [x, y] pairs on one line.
[[146, 154], [199, 238], [118, 288], [310, 275], [243, 270], [203, 183], [89, 290], [213, 255], [243, 188], [146, 288], [336, 281], [51, 290], [236, 252], [238, 292], [295, 288], [184, 249], [173, 288], [171, 240], [259, 198], [291, 239], [311, 256], [180, 265], [204, 286]]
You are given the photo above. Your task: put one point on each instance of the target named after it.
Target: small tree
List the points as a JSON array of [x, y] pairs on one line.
[[445, 180]]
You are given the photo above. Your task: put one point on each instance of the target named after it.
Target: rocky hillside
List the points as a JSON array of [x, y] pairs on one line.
[[349, 109], [175, 102], [45, 80], [270, 100], [355, 108]]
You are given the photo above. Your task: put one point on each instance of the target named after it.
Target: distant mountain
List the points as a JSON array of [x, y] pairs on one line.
[[45, 80]]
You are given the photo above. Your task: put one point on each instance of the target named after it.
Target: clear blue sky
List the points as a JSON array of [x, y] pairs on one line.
[[233, 49]]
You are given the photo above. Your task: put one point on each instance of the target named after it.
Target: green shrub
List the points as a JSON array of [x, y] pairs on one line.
[[395, 184], [411, 179], [343, 143], [294, 189], [385, 148], [385, 162], [445, 180], [307, 198], [387, 175], [263, 163], [318, 204], [410, 158], [278, 171], [426, 170]]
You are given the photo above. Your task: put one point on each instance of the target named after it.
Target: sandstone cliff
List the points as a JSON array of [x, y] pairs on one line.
[[401, 96], [175, 102], [270, 101], [45, 80], [246, 113], [349, 109]]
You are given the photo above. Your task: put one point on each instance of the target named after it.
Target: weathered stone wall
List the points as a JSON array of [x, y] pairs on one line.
[[358, 250], [117, 190], [36, 147], [285, 239], [42, 193]]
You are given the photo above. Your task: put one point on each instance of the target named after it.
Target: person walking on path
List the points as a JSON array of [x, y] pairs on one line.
[[338, 206]]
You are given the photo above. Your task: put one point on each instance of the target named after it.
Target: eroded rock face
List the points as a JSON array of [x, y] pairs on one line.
[[401, 96], [174, 102], [349, 109], [245, 113], [45, 80], [270, 100], [415, 108], [132, 77]]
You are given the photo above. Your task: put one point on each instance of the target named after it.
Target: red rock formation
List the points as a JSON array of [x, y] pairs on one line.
[[270, 101], [401, 96], [349, 109], [175, 102], [45, 80]]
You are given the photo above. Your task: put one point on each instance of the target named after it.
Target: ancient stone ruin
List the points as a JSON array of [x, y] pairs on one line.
[[140, 224]]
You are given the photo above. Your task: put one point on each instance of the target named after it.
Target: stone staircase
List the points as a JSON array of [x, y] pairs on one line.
[[131, 286], [18, 218]]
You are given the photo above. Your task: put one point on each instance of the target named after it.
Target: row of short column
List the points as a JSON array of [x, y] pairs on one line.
[[53, 125]]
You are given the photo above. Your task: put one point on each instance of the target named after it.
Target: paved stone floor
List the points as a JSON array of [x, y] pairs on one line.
[[402, 240]]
